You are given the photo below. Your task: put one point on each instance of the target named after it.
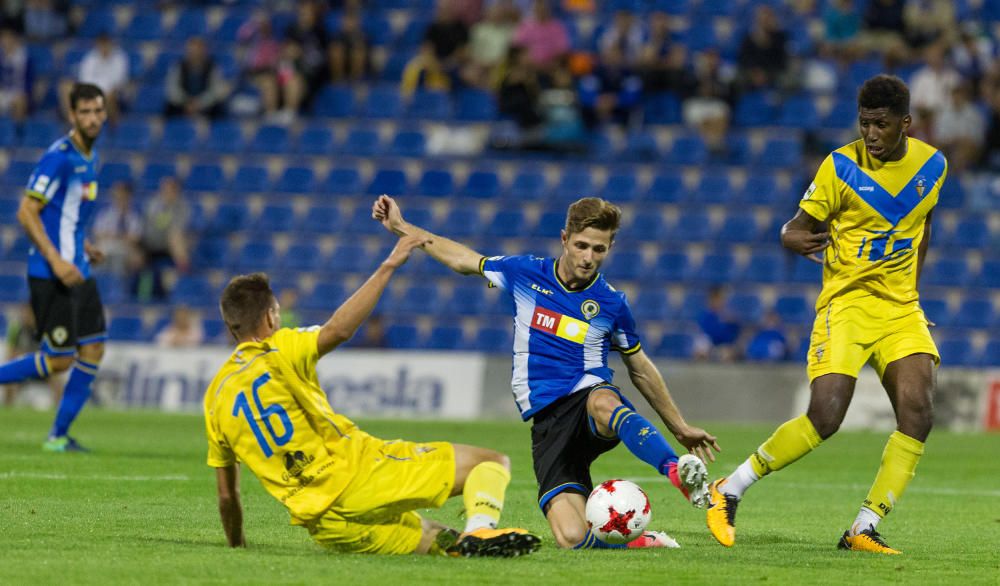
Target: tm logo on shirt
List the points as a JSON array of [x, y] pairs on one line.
[[560, 325]]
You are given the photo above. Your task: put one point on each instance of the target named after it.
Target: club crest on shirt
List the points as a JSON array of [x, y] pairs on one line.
[[59, 335], [920, 183], [810, 191], [590, 309]]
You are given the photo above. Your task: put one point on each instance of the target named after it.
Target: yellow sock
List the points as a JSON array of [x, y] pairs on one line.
[[791, 441], [899, 462], [483, 495]]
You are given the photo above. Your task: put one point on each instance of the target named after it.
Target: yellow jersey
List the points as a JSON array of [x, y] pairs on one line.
[[266, 409], [876, 212]]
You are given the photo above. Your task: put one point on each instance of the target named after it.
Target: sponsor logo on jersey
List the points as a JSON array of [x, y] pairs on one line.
[[90, 190], [541, 290], [867, 188], [41, 184], [809, 192], [590, 309], [557, 324], [82, 169]]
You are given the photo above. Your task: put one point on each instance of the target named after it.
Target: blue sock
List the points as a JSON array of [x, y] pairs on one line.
[[642, 439], [75, 395], [590, 541], [23, 368]]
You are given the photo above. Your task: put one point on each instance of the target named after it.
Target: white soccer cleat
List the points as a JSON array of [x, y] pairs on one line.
[[694, 478], [653, 539]]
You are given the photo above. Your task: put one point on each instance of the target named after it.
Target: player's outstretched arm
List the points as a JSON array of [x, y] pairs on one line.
[[29, 216], [457, 257], [647, 378], [805, 235], [230, 508], [348, 318]]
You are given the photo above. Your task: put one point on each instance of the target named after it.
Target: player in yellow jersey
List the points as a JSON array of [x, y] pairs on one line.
[[351, 491], [869, 209]]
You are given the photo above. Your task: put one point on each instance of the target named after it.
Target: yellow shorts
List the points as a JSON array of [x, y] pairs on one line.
[[848, 333], [375, 513]]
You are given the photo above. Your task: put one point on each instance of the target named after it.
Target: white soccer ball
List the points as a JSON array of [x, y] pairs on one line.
[[617, 511]]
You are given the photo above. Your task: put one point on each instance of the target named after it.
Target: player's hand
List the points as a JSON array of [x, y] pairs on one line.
[[699, 442], [806, 243], [386, 210], [96, 255], [67, 272], [401, 252]]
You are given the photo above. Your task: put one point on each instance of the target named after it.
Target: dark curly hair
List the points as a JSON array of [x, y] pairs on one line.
[[885, 91]]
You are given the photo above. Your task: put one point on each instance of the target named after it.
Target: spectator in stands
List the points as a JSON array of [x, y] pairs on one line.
[[561, 112], [611, 92], [719, 332], [973, 54], [489, 41], [931, 89], [260, 50], [883, 26], [929, 21], [664, 64], [543, 36], [990, 157], [517, 98], [288, 300], [185, 330], [448, 36], [769, 343], [763, 56], [46, 20], [15, 75], [21, 340], [195, 86], [348, 54], [106, 66], [117, 232], [624, 40], [309, 33], [164, 239], [841, 25], [959, 129], [425, 72], [708, 110]]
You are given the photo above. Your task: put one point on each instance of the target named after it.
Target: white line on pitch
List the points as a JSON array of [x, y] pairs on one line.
[[48, 476]]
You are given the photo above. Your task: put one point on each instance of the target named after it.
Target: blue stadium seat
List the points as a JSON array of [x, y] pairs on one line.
[[146, 25], [475, 106], [713, 188], [149, 99], [957, 351], [18, 172], [481, 184], [549, 224], [132, 135], [403, 336], [738, 228], [211, 252], [270, 139], [494, 340], [688, 149], [225, 33], [360, 223], [41, 59], [392, 69], [436, 183], [768, 266], [716, 268], [746, 307], [115, 290], [414, 32], [8, 132], [249, 179], [179, 135], [972, 233], [321, 219], [625, 265], [644, 226], [467, 299], [429, 105], [224, 137], [377, 28], [798, 111], [275, 217], [154, 173], [334, 101], [662, 108], [651, 304], [351, 257], [40, 134], [97, 21], [112, 173], [575, 182], [692, 225], [991, 353], [989, 274], [621, 186], [408, 143], [229, 217], [205, 177], [640, 147], [419, 298], [528, 185], [952, 195], [762, 188], [806, 271], [361, 142], [446, 338], [843, 115], [8, 211], [126, 329], [692, 305], [342, 181], [215, 331], [936, 310], [303, 257], [666, 187], [975, 312], [190, 23], [461, 222], [794, 310], [953, 272], [754, 109], [256, 255], [671, 267], [382, 102], [295, 180], [507, 223], [315, 140], [388, 181], [325, 296], [13, 288], [676, 345], [784, 153], [193, 290]]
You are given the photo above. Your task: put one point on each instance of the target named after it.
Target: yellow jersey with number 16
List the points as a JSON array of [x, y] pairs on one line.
[[876, 212]]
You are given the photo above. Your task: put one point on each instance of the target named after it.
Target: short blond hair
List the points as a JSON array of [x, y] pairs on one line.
[[593, 212]]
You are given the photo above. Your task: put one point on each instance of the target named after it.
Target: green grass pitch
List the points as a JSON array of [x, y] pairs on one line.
[[141, 509]]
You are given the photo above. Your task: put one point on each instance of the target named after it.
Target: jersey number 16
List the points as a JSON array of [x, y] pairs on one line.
[[242, 405]]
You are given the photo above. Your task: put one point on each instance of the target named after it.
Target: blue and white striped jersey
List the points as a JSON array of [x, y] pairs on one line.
[[66, 182], [561, 337]]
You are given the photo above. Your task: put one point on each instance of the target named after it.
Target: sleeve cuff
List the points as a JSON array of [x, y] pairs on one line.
[[631, 350], [36, 195]]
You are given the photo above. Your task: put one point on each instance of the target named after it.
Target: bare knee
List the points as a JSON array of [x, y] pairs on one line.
[[59, 363], [499, 458], [601, 404], [916, 420], [569, 536], [826, 423]]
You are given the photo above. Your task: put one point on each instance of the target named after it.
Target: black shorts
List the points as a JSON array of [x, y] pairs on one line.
[[564, 443], [67, 317]]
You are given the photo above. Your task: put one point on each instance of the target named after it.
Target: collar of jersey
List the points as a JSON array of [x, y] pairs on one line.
[[555, 273], [69, 139]]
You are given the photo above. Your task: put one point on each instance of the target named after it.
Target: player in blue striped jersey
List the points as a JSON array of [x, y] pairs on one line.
[[56, 210], [566, 320]]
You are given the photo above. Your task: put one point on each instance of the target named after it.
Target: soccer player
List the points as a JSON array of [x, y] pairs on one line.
[[876, 195], [352, 492], [566, 319], [55, 212]]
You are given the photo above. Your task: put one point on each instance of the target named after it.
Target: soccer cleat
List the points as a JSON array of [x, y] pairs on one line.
[[867, 540], [500, 543], [721, 514], [63, 444], [694, 479], [653, 539]]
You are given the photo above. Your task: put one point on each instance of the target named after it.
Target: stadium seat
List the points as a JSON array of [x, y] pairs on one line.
[[256, 255], [149, 99], [666, 187], [971, 233], [215, 331], [382, 102], [713, 188], [436, 183], [342, 181], [377, 28], [781, 153], [419, 298], [361, 142], [132, 135], [320, 220], [204, 177], [575, 182], [799, 112], [112, 173], [676, 345], [739, 227], [210, 252], [8, 211], [746, 307], [625, 265], [446, 338], [716, 268], [754, 109], [126, 329], [40, 134], [351, 257], [13, 288], [409, 143], [662, 108], [693, 225], [296, 180], [146, 25], [644, 226], [179, 135], [936, 310], [325, 296], [952, 272], [98, 20], [989, 274], [18, 172], [494, 340], [224, 137], [652, 304], [957, 351], [8, 132], [403, 336], [270, 139], [229, 217], [190, 23], [467, 299], [193, 290], [762, 189], [843, 115], [429, 105], [549, 224], [507, 224], [794, 310], [481, 184], [389, 181], [975, 312], [315, 140], [991, 353], [621, 187], [302, 257], [475, 106], [249, 179], [671, 267], [952, 195], [806, 271], [334, 101], [360, 223], [528, 185], [768, 266], [689, 149], [461, 222], [640, 147], [275, 217], [153, 174]]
